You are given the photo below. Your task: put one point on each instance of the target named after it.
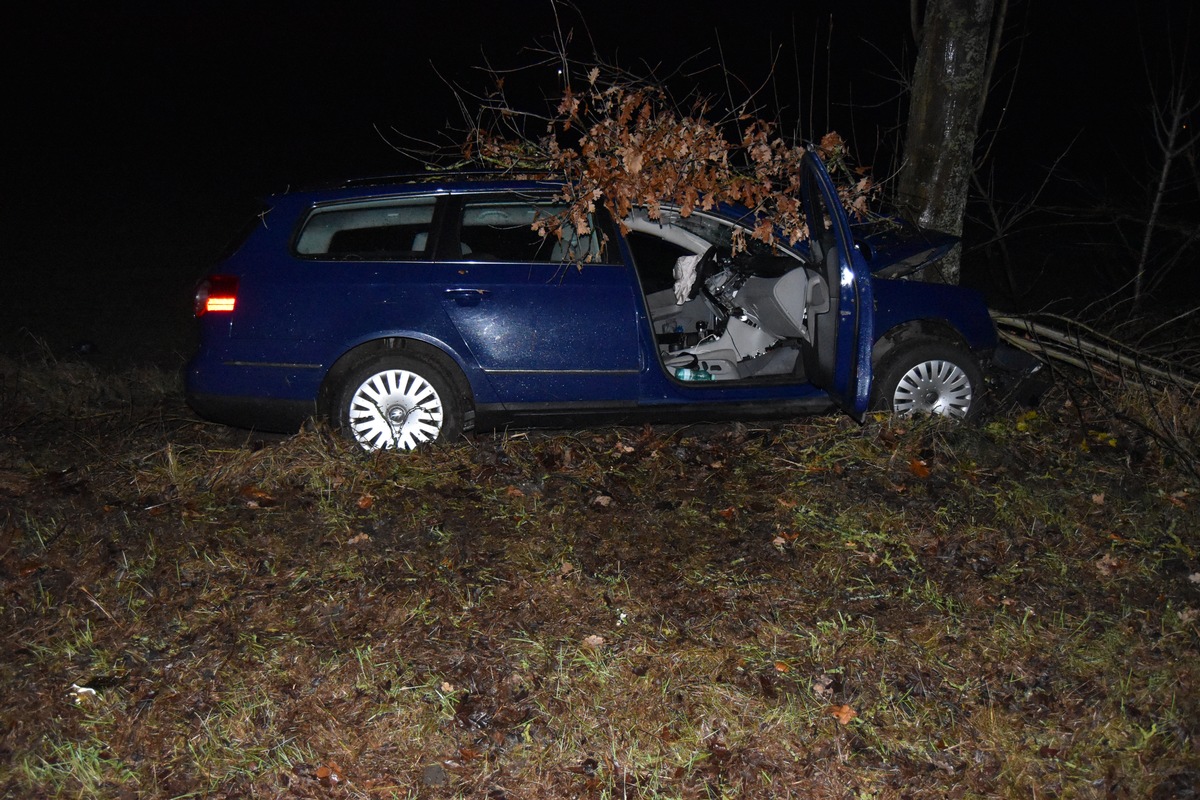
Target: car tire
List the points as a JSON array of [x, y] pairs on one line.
[[928, 377], [396, 402]]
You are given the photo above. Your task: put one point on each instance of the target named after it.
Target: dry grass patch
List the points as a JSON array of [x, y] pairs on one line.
[[810, 609]]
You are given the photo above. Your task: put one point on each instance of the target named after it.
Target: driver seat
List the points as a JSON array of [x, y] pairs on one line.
[[777, 303]]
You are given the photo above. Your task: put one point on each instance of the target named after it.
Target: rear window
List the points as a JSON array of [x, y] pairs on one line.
[[394, 229]]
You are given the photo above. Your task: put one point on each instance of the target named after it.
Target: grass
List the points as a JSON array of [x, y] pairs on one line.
[[810, 609]]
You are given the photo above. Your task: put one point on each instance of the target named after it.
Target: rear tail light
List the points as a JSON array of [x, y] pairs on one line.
[[216, 294]]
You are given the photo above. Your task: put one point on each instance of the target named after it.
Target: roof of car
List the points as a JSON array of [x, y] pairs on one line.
[[422, 182], [382, 187]]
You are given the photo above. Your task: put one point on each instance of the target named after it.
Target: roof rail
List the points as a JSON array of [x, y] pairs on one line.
[[445, 174]]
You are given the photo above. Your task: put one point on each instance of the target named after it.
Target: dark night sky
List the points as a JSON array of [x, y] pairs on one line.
[[257, 95], [144, 131]]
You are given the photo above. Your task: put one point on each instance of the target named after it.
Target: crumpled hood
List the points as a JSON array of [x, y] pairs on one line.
[[894, 248]]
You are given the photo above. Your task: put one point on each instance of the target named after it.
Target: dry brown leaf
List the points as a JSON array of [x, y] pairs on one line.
[[1109, 564], [329, 775], [252, 496], [842, 713], [918, 467]]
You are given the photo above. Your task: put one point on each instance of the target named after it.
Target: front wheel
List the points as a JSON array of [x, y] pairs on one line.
[[398, 403], [928, 377]]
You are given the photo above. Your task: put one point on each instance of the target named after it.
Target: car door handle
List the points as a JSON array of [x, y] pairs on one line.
[[467, 297]]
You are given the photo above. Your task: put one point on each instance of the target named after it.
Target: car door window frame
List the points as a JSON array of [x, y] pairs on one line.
[[452, 241], [371, 210]]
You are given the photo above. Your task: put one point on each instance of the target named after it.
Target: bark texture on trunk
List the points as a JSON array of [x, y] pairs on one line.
[[949, 87]]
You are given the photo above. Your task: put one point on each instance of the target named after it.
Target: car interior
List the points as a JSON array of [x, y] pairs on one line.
[[731, 316]]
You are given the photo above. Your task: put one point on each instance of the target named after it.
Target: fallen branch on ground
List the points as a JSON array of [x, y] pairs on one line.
[[1070, 342], [1155, 394]]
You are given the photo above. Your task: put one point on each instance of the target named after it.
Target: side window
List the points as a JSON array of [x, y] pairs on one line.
[[377, 230], [500, 228], [655, 258]]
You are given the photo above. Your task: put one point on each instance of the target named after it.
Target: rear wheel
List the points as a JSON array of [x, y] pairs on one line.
[[928, 377], [398, 403]]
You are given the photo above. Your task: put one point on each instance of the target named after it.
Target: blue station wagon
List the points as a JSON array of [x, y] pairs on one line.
[[409, 312]]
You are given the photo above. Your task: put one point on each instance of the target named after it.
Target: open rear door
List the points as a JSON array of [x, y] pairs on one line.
[[838, 356]]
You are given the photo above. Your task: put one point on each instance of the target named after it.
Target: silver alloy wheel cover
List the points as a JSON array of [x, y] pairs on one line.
[[935, 386], [395, 409]]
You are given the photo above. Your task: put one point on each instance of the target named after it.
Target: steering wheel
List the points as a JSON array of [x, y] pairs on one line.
[[706, 267]]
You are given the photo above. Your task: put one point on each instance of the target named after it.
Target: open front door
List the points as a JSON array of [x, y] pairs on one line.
[[838, 356]]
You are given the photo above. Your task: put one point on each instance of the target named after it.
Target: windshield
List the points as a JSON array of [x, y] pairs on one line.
[[699, 231]]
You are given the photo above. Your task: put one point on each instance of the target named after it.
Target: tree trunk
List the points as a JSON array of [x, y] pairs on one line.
[[949, 88]]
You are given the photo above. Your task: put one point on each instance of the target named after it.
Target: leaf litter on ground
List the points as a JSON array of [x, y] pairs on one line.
[[808, 608]]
